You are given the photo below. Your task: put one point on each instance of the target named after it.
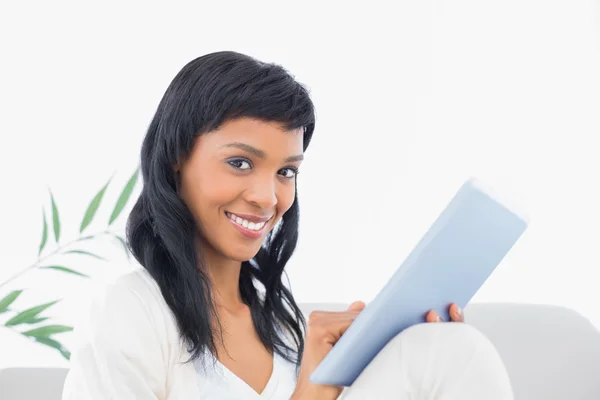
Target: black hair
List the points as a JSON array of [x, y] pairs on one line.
[[161, 230]]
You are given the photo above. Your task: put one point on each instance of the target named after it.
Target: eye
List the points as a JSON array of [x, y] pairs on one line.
[[240, 163], [289, 172]]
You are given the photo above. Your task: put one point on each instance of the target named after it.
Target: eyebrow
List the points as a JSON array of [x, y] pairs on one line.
[[259, 153]]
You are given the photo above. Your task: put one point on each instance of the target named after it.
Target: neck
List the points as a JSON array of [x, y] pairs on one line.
[[225, 278], [224, 274]]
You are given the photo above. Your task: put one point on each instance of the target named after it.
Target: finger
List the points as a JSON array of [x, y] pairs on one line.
[[341, 326], [335, 319], [433, 316], [327, 320], [456, 314], [319, 315], [333, 328], [357, 306]]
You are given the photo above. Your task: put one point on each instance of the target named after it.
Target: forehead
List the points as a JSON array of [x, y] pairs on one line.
[[270, 137]]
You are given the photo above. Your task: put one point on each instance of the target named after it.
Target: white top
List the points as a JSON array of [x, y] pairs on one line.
[[129, 349], [220, 383]]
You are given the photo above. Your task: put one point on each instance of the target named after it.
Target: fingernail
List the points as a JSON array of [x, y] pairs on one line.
[[438, 319], [459, 311]]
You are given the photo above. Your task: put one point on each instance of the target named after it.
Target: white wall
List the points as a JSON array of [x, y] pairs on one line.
[[411, 101]]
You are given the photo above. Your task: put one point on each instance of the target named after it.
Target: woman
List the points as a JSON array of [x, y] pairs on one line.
[[208, 317]]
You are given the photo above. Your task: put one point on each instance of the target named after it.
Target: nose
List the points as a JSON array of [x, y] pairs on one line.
[[262, 192]]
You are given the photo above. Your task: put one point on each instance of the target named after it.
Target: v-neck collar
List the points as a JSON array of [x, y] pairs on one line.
[[229, 379], [267, 392]]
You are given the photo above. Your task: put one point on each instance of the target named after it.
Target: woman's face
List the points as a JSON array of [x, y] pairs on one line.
[[238, 181]]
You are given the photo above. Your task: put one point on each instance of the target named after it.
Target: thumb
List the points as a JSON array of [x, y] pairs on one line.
[[357, 306]]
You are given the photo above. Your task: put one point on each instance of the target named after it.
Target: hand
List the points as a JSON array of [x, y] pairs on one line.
[[323, 331], [456, 315]]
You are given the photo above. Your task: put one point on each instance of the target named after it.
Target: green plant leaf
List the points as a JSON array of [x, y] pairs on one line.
[[64, 269], [35, 320], [92, 208], [26, 317], [65, 353], [55, 219], [124, 197], [46, 331], [49, 342], [8, 300], [44, 233], [85, 253], [54, 344], [124, 244]]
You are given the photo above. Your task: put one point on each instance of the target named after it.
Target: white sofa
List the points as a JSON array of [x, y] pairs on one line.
[[551, 353]]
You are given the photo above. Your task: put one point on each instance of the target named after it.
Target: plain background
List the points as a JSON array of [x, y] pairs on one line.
[[412, 98]]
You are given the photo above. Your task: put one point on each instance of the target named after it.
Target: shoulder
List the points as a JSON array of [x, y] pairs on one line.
[[137, 284], [126, 343], [130, 305], [133, 291]]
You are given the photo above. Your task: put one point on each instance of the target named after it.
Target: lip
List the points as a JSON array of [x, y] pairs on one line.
[[252, 234], [252, 218]]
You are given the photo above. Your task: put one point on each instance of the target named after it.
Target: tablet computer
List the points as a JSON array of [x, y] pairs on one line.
[[449, 264]]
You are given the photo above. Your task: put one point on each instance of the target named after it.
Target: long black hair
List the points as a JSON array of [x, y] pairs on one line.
[[161, 230]]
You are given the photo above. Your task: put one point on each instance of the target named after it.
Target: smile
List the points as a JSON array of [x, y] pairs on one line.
[[248, 225]]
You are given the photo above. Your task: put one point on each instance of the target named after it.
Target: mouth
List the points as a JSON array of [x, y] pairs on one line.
[[251, 226]]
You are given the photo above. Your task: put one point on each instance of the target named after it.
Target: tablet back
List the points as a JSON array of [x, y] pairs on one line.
[[448, 265]]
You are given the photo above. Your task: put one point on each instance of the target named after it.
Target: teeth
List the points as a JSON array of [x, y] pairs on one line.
[[253, 226]]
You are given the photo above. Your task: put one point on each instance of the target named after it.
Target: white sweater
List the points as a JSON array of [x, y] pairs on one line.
[[129, 349]]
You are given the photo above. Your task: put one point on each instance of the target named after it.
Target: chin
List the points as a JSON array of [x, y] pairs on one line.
[[242, 254], [242, 258]]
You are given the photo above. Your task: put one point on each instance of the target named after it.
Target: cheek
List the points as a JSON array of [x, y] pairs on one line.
[[285, 198], [204, 193]]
